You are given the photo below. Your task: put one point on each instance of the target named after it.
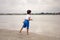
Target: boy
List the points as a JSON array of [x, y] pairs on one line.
[[26, 21]]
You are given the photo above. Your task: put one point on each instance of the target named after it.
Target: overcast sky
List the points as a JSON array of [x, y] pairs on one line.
[[20, 6]]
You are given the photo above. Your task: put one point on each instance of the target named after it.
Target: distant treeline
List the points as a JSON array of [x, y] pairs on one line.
[[32, 13], [46, 13]]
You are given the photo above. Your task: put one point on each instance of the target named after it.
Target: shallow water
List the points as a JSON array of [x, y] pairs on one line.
[[41, 24]]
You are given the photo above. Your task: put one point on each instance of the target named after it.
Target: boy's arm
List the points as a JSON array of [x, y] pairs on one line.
[[30, 19]]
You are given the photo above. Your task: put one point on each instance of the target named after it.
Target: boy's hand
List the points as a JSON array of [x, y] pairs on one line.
[[30, 19]]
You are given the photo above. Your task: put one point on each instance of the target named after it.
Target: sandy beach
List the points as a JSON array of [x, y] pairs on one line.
[[42, 27], [15, 35]]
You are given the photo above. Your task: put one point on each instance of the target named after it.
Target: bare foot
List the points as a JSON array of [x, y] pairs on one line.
[[27, 33], [19, 31]]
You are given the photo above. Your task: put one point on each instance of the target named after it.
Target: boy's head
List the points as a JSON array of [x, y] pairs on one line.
[[28, 11]]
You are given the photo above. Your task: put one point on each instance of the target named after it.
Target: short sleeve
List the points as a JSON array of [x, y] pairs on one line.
[[28, 16]]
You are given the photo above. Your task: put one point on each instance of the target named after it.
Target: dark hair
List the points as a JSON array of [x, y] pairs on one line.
[[28, 11]]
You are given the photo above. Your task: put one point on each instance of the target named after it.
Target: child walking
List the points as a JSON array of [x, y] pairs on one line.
[[26, 21]]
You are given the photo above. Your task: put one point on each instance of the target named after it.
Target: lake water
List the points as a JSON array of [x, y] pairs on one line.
[[41, 24]]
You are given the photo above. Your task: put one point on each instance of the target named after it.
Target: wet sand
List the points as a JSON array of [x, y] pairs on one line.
[[42, 27], [15, 35]]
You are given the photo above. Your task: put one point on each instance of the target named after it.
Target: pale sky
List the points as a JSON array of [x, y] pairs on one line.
[[37, 6]]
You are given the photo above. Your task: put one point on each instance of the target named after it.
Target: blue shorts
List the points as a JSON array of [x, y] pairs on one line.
[[26, 24]]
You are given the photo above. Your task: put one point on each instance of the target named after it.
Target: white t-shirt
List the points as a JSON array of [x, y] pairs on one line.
[[27, 16]]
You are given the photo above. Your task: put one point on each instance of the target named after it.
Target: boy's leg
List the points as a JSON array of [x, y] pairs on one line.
[[21, 29], [27, 28], [27, 31]]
